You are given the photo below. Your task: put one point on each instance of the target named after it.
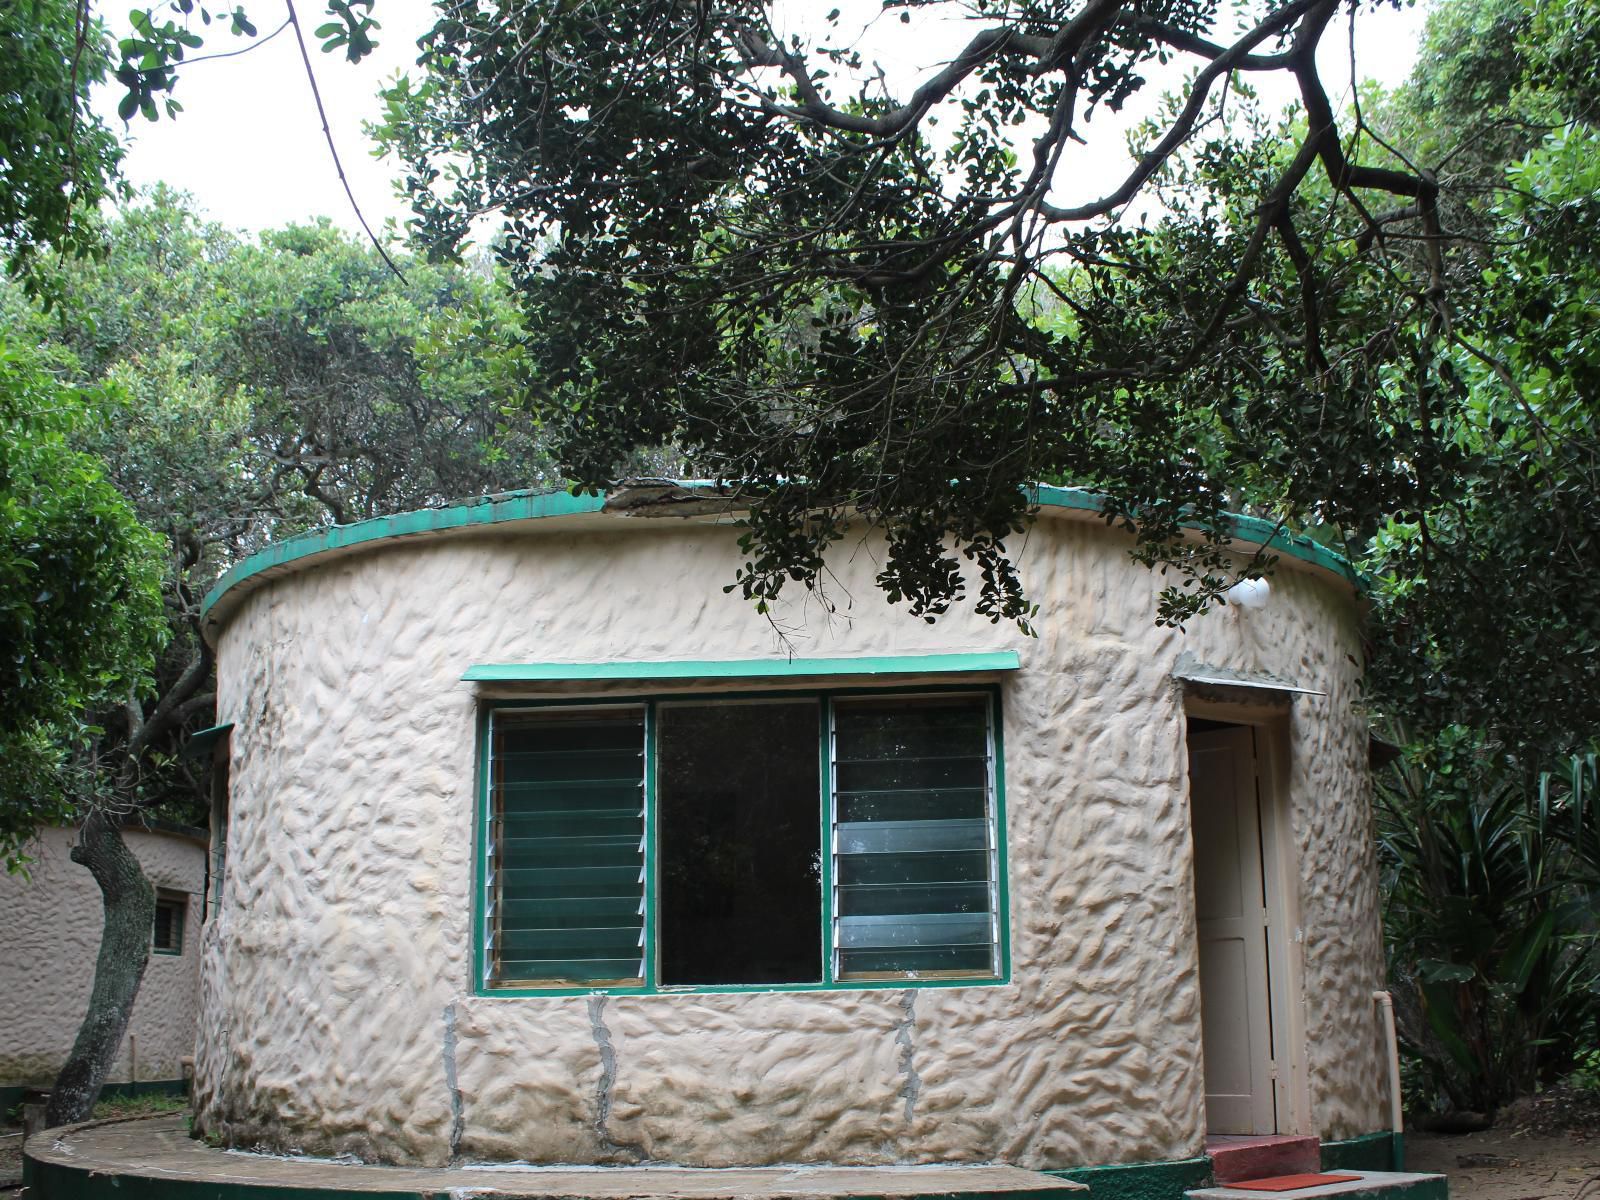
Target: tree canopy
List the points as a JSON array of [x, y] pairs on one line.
[[54, 152], [80, 607], [188, 396], [830, 290], [858, 299]]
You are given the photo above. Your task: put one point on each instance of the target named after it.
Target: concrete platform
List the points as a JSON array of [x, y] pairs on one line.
[[154, 1158], [1379, 1185]]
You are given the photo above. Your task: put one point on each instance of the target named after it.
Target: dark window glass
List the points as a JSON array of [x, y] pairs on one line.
[[167, 936], [738, 814]]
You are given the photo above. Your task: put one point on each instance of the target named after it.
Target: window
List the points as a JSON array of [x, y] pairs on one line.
[[567, 838], [216, 867], [776, 841], [167, 935], [914, 839]]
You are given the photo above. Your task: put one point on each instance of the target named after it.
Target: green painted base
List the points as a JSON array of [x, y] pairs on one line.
[[51, 1181], [1141, 1181], [1170, 1180], [1369, 1152]]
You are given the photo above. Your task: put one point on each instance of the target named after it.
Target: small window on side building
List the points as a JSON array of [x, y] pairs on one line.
[[167, 934]]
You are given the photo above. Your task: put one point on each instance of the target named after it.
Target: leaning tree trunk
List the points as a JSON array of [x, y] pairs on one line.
[[130, 904]]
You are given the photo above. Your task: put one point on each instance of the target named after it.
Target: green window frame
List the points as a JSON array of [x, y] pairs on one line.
[[911, 821]]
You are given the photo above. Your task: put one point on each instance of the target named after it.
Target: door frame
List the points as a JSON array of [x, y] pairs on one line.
[[1281, 877]]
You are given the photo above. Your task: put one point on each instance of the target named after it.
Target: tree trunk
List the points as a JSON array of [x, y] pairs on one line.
[[130, 904]]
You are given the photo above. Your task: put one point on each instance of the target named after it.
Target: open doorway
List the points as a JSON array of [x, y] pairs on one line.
[[1241, 918]]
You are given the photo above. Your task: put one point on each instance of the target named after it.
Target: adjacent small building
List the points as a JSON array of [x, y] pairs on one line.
[[538, 845], [50, 937]]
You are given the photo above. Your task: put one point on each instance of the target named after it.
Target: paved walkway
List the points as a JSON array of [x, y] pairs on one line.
[[156, 1157]]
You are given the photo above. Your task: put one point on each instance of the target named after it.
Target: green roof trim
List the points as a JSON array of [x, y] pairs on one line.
[[201, 742], [487, 510], [743, 668], [535, 505], [1253, 530]]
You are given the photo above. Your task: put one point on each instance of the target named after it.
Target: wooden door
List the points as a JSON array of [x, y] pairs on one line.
[[1231, 911]]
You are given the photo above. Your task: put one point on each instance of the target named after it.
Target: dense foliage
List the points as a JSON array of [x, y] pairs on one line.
[[867, 300], [826, 286], [80, 609], [264, 388], [1486, 605], [1491, 881], [1489, 614], [54, 152]]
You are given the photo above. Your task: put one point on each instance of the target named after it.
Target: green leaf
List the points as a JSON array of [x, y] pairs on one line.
[[1518, 966], [1436, 971]]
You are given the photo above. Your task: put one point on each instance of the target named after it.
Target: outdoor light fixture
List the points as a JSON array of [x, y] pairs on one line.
[[1249, 593]]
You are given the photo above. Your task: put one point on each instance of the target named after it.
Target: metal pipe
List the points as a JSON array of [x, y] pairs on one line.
[[1396, 1114]]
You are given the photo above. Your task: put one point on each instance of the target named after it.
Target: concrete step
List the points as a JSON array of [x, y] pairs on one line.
[[1380, 1185], [1234, 1158]]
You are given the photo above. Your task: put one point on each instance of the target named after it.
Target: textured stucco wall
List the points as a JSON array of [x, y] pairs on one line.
[[339, 1008], [49, 936]]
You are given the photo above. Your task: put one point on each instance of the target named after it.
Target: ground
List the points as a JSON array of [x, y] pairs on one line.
[[1547, 1148], [1543, 1148], [10, 1158]]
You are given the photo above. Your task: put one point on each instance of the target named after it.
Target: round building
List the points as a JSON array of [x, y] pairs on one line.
[[536, 845]]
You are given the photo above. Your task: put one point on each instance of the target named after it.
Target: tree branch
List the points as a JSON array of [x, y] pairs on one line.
[[327, 134]]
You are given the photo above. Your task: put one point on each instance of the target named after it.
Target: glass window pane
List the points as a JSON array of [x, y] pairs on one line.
[[738, 795], [914, 838]]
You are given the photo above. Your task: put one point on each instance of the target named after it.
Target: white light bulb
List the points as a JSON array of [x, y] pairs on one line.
[[1249, 593]]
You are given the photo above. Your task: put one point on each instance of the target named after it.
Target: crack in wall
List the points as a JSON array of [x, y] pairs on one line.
[[608, 1080], [458, 1119], [903, 1036]]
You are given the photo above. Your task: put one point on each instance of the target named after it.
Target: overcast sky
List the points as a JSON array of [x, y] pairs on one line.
[[249, 147]]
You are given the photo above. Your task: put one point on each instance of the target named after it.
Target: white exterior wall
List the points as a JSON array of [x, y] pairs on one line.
[[50, 926], [339, 1006]]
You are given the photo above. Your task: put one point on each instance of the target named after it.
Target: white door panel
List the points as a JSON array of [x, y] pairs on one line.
[[1231, 912]]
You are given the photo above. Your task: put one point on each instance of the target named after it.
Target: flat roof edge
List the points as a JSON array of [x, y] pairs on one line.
[[745, 668]]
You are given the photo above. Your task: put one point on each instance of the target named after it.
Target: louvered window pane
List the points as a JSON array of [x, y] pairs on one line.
[[914, 838], [566, 857]]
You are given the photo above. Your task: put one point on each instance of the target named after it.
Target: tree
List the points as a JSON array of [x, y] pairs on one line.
[[1490, 578], [54, 152], [79, 593], [830, 292], [254, 390], [79, 616], [860, 301], [57, 157], [371, 394], [1484, 590], [80, 626]]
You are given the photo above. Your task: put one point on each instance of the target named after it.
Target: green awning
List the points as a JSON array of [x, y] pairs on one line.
[[745, 668], [201, 744]]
